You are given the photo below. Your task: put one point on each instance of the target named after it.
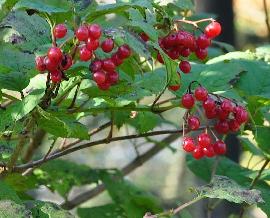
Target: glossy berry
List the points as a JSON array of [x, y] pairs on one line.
[[198, 153], [50, 65], [173, 54], [56, 76], [188, 101], [226, 105], [55, 54], [95, 65], [82, 33], [113, 77], [40, 65], [104, 86], [201, 94], [209, 104], [204, 140], [219, 147], [60, 31], [222, 127], [92, 44], [193, 122], [222, 114], [241, 115], [203, 41], [185, 66], [144, 36], [108, 65], [201, 53], [124, 51], [160, 59], [107, 45], [174, 87], [66, 62], [211, 114], [188, 144], [209, 151], [116, 59], [234, 125], [99, 77], [94, 31], [185, 52], [212, 30], [85, 54]]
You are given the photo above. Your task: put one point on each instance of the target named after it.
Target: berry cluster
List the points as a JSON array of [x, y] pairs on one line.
[[88, 37], [226, 115]]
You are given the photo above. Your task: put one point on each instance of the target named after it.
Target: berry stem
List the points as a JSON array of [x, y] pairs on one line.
[[194, 23]]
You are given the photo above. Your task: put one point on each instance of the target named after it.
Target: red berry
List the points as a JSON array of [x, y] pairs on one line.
[[56, 76], [94, 31], [60, 31], [55, 54], [108, 65], [219, 147], [203, 41], [211, 114], [226, 105], [222, 127], [188, 144], [185, 52], [95, 65], [116, 59], [82, 33], [184, 66], [221, 114], [50, 65], [40, 65], [241, 115], [212, 30], [104, 86], [209, 104], [201, 94], [113, 77], [204, 140], [92, 44], [188, 101], [99, 77], [198, 153], [201, 53], [160, 59], [173, 54], [85, 54], [171, 40], [66, 62], [144, 36], [234, 125], [107, 45], [209, 151], [174, 87], [193, 123], [124, 51]]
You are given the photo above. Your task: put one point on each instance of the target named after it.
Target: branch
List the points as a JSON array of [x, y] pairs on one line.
[[137, 162]]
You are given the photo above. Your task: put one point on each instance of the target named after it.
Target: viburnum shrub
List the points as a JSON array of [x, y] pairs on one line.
[[76, 74]]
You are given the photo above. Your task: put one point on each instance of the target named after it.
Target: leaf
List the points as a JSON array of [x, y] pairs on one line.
[[247, 143], [49, 6], [20, 183], [182, 5], [15, 81], [108, 210], [10, 209], [5, 7], [262, 138], [48, 210], [263, 52], [222, 187], [62, 175], [7, 193], [61, 125]]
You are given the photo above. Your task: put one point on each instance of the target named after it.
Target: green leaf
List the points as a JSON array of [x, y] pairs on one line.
[[182, 5], [10, 209], [20, 183], [263, 52], [5, 7], [15, 81], [48, 210], [61, 175], [246, 141], [7, 193], [222, 187], [49, 6], [262, 138], [61, 125], [108, 210]]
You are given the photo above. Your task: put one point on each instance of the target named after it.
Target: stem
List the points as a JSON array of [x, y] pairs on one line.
[[75, 96], [195, 23], [183, 206]]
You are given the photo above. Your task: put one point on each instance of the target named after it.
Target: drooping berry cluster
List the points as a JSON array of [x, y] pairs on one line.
[[88, 37], [226, 115]]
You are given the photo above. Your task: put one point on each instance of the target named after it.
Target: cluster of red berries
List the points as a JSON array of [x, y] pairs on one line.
[[227, 117], [88, 36]]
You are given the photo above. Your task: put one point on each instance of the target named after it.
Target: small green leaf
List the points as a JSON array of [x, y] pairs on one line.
[[222, 187], [15, 81], [10, 209]]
